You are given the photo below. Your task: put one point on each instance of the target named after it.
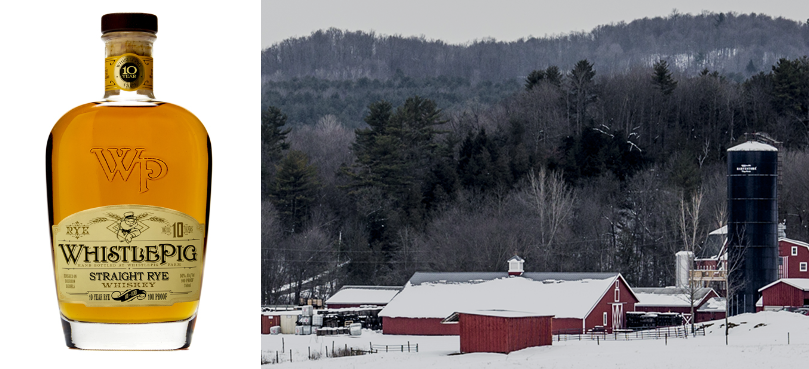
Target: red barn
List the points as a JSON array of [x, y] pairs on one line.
[[578, 301], [793, 259], [785, 292], [672, 300], [356, 296], [713, 309], [501, 331]]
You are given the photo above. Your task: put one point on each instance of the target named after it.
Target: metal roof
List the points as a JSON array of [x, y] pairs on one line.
[[669, 296]]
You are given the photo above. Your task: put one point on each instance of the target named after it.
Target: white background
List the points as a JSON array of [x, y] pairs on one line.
[[206, 60]]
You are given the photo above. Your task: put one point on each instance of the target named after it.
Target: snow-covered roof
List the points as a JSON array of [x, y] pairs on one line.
[[495, 313], [799, 283], [668, 296], [753, 146], [720, 231], [515, 258], [794, 242], [367, 295], [476, 277], [560, 297], [714, 304]]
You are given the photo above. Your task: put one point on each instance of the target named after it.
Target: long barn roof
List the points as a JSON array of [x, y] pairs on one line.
[[438, 295]]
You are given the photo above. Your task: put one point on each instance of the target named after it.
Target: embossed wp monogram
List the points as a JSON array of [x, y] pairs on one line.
[[122, 161]]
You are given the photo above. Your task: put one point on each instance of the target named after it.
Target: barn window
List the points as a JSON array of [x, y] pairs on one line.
[[794, 250], [617, 292], [803, 266], [605, 319]]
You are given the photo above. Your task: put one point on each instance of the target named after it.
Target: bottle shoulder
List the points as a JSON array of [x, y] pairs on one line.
[[153, 113]]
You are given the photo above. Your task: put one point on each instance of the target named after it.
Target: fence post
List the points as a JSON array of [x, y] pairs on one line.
[[386, 348], [282, 343], [787, 338], [371, 347], [598, 343], [276, 357], [310, 352], [408, 346], [332, 348], [290, 355], [667, 339], [402, 348], [417, 347]]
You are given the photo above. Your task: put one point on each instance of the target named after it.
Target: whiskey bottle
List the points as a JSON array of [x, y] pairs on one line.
[[129, 184]]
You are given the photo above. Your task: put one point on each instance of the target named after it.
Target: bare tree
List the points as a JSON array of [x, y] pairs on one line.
[[552, 200], [688, 224]]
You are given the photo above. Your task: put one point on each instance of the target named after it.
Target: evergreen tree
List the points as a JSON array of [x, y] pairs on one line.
[[273, 139], [791, 86], [553, 76], [582, 89], [294, 190], [751, 68], [534, 78], [273, 143], [661, 78]]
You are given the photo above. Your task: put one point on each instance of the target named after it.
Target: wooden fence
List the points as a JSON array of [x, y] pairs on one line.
[[629, 335]]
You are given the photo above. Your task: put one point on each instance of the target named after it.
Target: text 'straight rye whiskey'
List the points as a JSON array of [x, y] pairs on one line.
[[129, 181]]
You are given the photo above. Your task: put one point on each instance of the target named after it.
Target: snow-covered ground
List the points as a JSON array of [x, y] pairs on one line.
[[760, 341]]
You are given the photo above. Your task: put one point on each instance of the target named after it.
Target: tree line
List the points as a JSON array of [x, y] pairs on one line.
[[736, 45], [578, 171]]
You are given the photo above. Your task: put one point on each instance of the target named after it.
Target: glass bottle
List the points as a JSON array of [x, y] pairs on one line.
[[129, 183]]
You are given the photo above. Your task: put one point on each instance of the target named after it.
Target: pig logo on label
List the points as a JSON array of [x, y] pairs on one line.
[[127, 227]]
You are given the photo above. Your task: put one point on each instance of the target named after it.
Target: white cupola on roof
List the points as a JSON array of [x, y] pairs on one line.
[[515, 265]]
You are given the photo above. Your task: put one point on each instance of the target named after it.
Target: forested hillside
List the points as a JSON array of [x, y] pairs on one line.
[[573, 168], [736, 45]]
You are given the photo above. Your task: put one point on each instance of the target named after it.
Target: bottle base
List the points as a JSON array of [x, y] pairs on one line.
[[141, 336]]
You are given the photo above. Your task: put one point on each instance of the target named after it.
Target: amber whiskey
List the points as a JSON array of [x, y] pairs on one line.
[[129, 183]]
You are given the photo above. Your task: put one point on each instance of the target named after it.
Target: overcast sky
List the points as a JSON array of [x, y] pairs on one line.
[[457, 21]]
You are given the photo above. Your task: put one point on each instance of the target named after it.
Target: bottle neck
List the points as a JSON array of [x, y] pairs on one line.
[[128, 67]]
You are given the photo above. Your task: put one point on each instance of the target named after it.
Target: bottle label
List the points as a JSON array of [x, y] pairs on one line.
[[128, 72], [128, 255]]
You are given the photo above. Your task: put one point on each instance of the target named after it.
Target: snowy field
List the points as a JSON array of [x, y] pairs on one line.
[[749, 346]]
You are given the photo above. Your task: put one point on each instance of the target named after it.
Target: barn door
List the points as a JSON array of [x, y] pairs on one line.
[[617, 316]]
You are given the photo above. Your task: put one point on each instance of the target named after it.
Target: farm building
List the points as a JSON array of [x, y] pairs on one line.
[[712, 309], [356, 296], [785, 292], [793, 258], [285, 319], [578, 301], [672, 300], [501, 331]]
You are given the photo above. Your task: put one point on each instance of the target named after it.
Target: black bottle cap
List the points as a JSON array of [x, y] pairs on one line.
[[137, 22]]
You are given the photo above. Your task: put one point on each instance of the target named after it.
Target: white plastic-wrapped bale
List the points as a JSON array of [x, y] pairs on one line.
[[307, 310], [288, 323], [355, 329], [275, 330], [317, 320]]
